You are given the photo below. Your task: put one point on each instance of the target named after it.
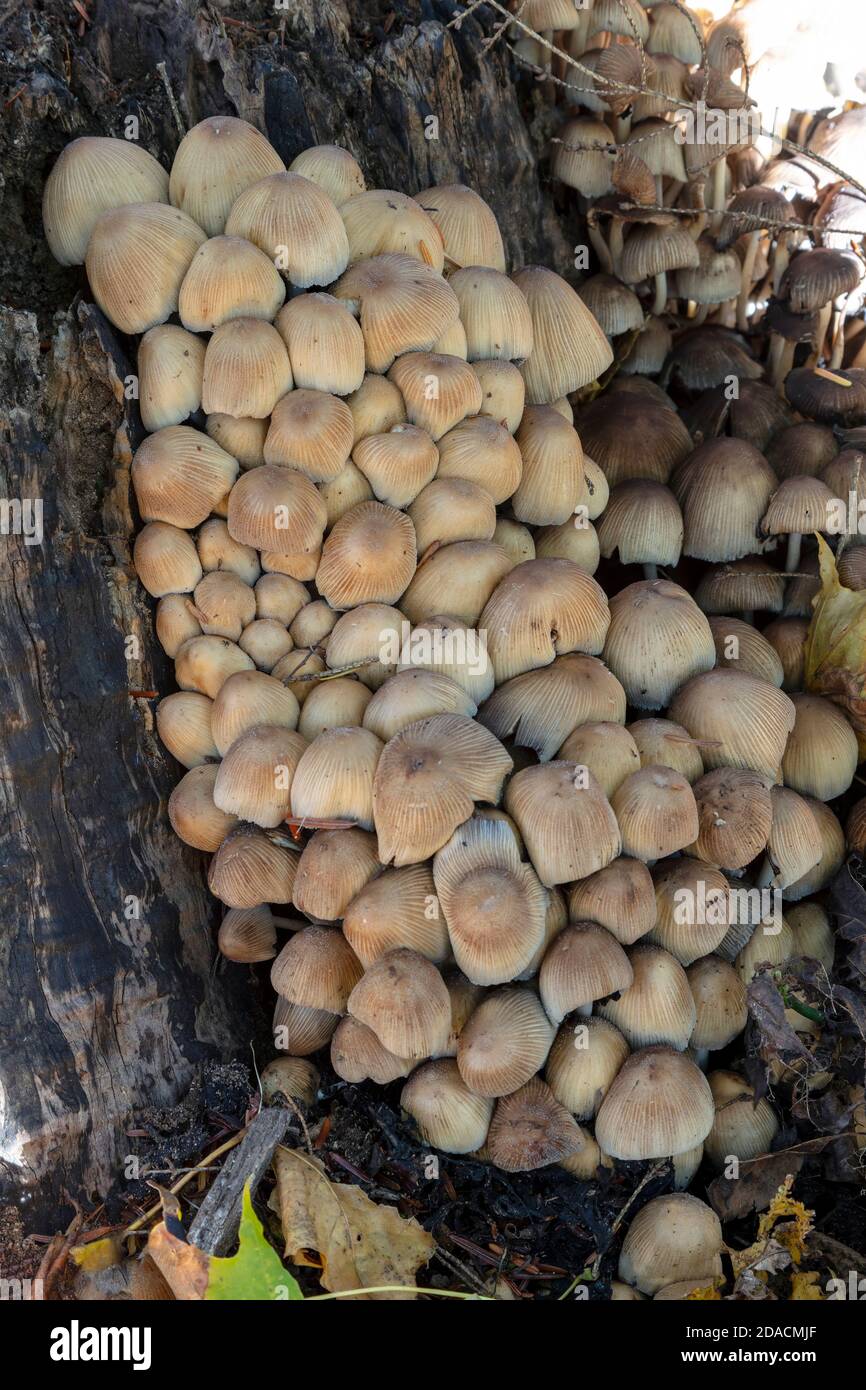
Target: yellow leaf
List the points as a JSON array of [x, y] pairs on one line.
[[776, 1242], [335, 1226], [97, 1255], [835, 657], [804, 1287]]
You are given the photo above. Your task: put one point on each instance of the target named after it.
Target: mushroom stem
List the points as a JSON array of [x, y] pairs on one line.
[[746, 282], [650, 571], [286, 923], [781, 257], [622, 127], [718, 191], [600, 247], [661, 294], [824, 316], [792, 557], [585, 1010], [701, 315], [702, 1057], [615, 243], [837, 335], [781, 360]]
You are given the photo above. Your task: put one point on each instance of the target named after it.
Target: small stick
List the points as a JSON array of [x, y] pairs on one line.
[[175, 109]]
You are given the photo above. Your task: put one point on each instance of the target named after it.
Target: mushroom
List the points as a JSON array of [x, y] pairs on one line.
[[439, 391], [657, 1105], [250, 867], [744, 1127], [469, 231], [334, 169], [657, 639], [502, 390], [634, 438], [530, 1130], [742, 648], [607, 750], [381, 221], [92, 175], [657, 1007], [721, 1012], [398, 465], [136, 260], [798, 505], [333, 704], [656, 812], [662, 741], [565, 819], [246, 700], [403, 999], [299, 1030], [317, 968], [584, 963], [643, 524], [170, 367], [393, 909], [672, 1239], [183, 722], [504, 1042], [735, 812], [583, 1062], [540, 610], [821, 754], [249, 935], [402, 306], [357, 1055], [482, 451], [448, 1115], [334, 777], [620, 897], [334, 867], [743, 721], [569, 349], [692, 909], [195, 817]]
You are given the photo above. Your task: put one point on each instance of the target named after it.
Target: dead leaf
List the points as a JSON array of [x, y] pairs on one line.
[[835, 656], [805, 1287], [336, 1227], [754, 1188]]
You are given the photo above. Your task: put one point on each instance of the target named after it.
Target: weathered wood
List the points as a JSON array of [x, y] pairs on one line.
[[216, 1222], [101, 1010]]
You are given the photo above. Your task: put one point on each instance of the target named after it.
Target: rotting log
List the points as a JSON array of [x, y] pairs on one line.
[[109, 997]]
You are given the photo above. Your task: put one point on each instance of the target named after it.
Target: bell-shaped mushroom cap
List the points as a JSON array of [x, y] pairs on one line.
[[428, 779], [214, 163], [720, 1003], [540, 708], [183, 724], [179, 474], [742, 721], [801, 450], [630, 437], [814, 937], [832, 857], [398, 464], [266, 641], [744, 1127], [243, 439], [652, 250], [583, 156], [821, 755], [224, 605], [403, 998], [656, 812], [92, 175], [367, 639], [250, 868], [583, 1061], [448, 1115], [333, 169], [324, 343], [649, 350], [369, 557], [403, 306], [246, 369], [439, 390], [735, 814], [837, 398], [540, 610], [311, 431], [798, 505], [504, 1042], [357, 1055], [229, 278], [217, 551], [333, 704], [310, 621], [596, 487], [771, 943], [723, 489], [334, 778], [317, 968], [530, 1129], [643, 523], [295, 223], [503, 392], [255, 776], [292, 1077], [412, 695], [569, 349], [658, 1104], [714, 280], [494, 907], [248, 699], [815, 277], [170, 367], [334, 866], [398, 908], [852, 567], [494, 314], [742, 648], [452, 648], [175, 624], [607, 750], [300, 1030], [451, 509], [692, 906], [565, 819], [672, 1239], [614, 306], [381, 222], [795, 845], [741, 587], [704, 357], [205, 663], [276, 509], [194, 816], [248, 935], [377, 406], [575, 539], [668, 744], [459, 579], [658, 638], [620, 897], [467, 226], [483, 452], [582, 964], [136, 260], [657, 1007], [464, 998], [855, 826], [552, 485]]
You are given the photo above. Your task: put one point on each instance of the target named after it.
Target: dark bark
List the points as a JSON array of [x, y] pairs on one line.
[[100, 1013]]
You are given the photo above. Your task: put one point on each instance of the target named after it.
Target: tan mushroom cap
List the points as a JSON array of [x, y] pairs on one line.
[[771, 943], [662, 741], [482, 451], [620, 897], [311, 431], [552, 485], [821, 755], [458, 579], [658, 1104], [248, 935], [255, 776], [229, 278], [397, 465], [744, 1127], [468, 227], [642, 522], [248, 699], [357, 1055], [179, 474], [276, 510], [92, 175], [742, 648], [736, 814], [368, 557], [244, 439], [504, 1042], [333, 704], [250, 868], [175, 624], [565, 819], [438, 390], [720, 1003], [334, 169], [723, 490], [657, 640], [396, 908], [170, 368], [194, 816], [317, 968], [657, 1007], [137, 257], [333, 868], [540, 708], [615, 307], [742, 721], [503, 392], [693, 908], [672, 1239], [183, 722], [530, 1129], [795, 844], [448, 1115], [368, 641], [583, 1061], [583, 963], [453, 648], [540, 610], [832, 855], [218, 551], [334, 777], [428, 779], [324, 342], [493, 905], [295, 223], [300, 1030], [205, 664], [630, 437], [223, 604], [740, 587], [214, 163], [402, 305], [452, 509], [656, 812], [494, 313], [569, 348], [583, 157], [246, 369], [380, 222], [403, 998], [607, 749], [412, 695]]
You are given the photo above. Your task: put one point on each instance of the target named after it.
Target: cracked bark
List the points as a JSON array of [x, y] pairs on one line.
[[101, 1011]]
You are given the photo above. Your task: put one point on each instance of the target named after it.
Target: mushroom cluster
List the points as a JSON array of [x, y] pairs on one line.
[[492, 822]]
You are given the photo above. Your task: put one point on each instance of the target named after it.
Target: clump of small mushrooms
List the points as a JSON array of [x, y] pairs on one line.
[[512, 837]]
